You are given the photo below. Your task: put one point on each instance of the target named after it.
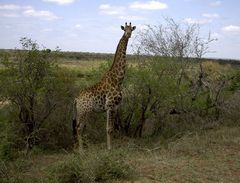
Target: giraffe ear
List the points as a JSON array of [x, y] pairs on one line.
[[122, 27], [133, 28]]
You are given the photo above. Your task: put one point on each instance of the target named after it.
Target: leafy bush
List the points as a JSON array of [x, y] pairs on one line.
[[39, 92], [156, 102]]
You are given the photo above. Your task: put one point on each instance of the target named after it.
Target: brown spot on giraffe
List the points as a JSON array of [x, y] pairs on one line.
[[106, 95]]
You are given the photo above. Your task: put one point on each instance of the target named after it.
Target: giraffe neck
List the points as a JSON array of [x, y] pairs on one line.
[[119, 63]]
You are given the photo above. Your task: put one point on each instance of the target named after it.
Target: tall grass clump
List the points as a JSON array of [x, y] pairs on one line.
[[103, 166], [17, 171]]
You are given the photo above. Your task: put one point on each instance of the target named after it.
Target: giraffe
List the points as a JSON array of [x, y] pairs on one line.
[[104, 96]]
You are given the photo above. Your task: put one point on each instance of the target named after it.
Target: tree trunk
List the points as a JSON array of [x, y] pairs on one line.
[[26, 117], [139, 129]]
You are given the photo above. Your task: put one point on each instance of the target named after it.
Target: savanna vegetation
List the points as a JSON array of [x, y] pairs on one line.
[[178, 121]]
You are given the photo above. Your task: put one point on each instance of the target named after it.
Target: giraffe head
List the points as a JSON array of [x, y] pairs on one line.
[[128, 29]]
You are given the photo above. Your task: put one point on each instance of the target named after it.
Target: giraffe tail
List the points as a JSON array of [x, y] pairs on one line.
[[74, 120]]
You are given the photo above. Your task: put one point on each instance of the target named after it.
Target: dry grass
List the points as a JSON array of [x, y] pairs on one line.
[[86, 65], [81, 65], [210, 156]]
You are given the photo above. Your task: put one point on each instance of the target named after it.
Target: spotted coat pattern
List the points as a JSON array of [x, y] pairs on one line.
[[106, 95]]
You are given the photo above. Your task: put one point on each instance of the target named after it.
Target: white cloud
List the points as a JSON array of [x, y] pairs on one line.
[[78, 26], [197, 21], [131, 17], [9, 7], [47, 15], [60, 2], [119, 12], [104, 6], [13, 7], [213, 15], [13, 10], [150, 5], [231, 28], [206, 19], [112, 10], [215, 3], [10, 15]]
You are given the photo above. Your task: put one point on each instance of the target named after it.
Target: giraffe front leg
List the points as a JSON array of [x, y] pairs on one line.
[[79, 143], [109, 127]]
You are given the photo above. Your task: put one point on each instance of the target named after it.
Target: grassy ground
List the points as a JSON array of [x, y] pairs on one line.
[[213, 156], [83, 65], [208, 156]]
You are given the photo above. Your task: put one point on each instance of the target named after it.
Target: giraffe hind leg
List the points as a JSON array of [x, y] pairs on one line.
[[74, 125], [74, 129], [109, 127], [80, 138], [83, 119]]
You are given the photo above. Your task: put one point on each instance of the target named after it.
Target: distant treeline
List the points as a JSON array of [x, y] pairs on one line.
[[69, 55], [86, 55]]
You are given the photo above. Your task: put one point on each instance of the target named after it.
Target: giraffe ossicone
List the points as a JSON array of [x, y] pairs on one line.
[[105, 95]]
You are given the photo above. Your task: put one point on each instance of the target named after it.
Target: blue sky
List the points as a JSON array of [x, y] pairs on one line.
[[94, 26]]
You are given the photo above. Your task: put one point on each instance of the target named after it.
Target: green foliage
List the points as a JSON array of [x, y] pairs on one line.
[[10, 134], [151, 91], [103, 166], [38, 91], [163, 97], [235, 81]]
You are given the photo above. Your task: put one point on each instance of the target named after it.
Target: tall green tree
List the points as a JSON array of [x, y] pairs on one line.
[[30, 82]]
